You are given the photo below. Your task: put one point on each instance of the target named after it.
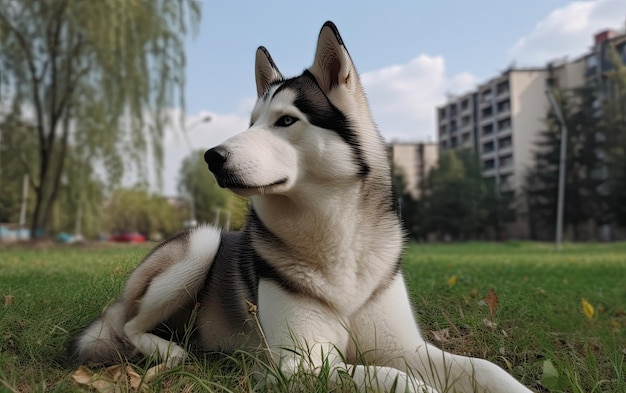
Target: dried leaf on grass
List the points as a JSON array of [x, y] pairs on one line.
[[489, 323], [9, 300], [441, 336], [492, 301], [116, 379]]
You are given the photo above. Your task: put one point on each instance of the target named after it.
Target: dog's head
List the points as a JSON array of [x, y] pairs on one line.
[[314, 129]]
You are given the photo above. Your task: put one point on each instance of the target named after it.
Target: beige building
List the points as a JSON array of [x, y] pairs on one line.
[[413, 161], [501, 120]]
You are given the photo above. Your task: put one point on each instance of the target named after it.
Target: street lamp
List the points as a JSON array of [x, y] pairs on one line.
[[193, 125], [192, 205], [561, 196]]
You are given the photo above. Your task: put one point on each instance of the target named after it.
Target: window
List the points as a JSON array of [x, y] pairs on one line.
[[453, 110], [465, 120], [504, 125], [505, 142], [488, 129], [592, 65], [486, 96], [502, 88], [488, 147], [465, 104], [489, 164], [592, 61], [504, 106], [506, 161], [487, 112]]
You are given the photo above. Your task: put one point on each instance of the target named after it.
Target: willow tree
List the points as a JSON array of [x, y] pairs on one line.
[[97, 78]]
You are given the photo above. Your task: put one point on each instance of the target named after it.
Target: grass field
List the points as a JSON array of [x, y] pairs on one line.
[[538, 329]]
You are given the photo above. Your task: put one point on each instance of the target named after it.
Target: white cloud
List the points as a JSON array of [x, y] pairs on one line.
[[567, 31], [403, 97]]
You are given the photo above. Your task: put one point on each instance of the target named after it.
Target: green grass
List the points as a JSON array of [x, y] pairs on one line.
[[538, 331]]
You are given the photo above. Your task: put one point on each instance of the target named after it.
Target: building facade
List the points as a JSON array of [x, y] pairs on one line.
[[413, 161], [502, 118]]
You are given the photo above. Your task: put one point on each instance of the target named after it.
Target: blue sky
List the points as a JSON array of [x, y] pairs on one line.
[[410, 54]]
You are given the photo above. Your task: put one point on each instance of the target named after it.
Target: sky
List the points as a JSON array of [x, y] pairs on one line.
[[410, 54]]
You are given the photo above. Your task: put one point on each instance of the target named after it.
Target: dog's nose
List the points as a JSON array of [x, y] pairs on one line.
[[215, 158]]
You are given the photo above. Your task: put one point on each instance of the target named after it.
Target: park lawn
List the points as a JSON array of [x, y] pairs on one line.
[[536, 329]]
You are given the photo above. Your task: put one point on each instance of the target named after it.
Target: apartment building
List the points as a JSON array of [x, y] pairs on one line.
[[501, 120], [413, 161], [598, 60]]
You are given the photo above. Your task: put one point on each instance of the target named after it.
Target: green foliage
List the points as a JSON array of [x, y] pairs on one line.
[[457, 201], [80, 191], [196, 180], [583, 199], [595, 116], [17, 155], [99, 78], [613, 128], [137, 210]]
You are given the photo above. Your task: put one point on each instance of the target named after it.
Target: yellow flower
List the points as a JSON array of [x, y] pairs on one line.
[[587, 308], [452, 281]]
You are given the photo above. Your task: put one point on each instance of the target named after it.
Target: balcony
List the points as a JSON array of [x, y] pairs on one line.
[[466, 139], [504, 109], [465, 106], [487, 130], [504, 126], [505, 164]]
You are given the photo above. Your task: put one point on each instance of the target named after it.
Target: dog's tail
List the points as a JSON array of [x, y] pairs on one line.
[[103, 341]]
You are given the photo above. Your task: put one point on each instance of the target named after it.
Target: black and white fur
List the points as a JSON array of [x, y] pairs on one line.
[[319, 254]]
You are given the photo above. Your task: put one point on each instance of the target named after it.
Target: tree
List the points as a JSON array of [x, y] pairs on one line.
[[197, 182], [582, 200], [410, 209], [613, 129], [135, 209], [17, 154], [453, 196], [98, 77], [458, 202]]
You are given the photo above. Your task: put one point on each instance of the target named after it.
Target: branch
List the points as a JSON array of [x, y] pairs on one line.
[[33, 72], [71, 83], [53, 46]]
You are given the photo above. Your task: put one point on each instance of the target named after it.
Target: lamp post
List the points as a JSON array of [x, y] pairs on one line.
[[192, 206], [563, 156]]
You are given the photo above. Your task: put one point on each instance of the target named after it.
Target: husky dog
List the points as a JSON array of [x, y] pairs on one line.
[[319, 255]]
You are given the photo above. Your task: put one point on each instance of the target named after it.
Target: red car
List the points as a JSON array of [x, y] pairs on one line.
[[128, 237]]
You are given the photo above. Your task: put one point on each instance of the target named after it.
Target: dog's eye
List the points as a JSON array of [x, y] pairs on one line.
[[285, 121]]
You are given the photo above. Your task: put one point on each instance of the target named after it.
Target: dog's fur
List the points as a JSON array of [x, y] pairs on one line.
[[319, 255]]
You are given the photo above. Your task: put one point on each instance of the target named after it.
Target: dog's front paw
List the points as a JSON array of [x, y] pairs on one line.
[[176, 357]]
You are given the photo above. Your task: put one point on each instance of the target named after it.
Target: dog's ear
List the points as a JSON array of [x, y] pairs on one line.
[[265, 72], [332, 65]]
